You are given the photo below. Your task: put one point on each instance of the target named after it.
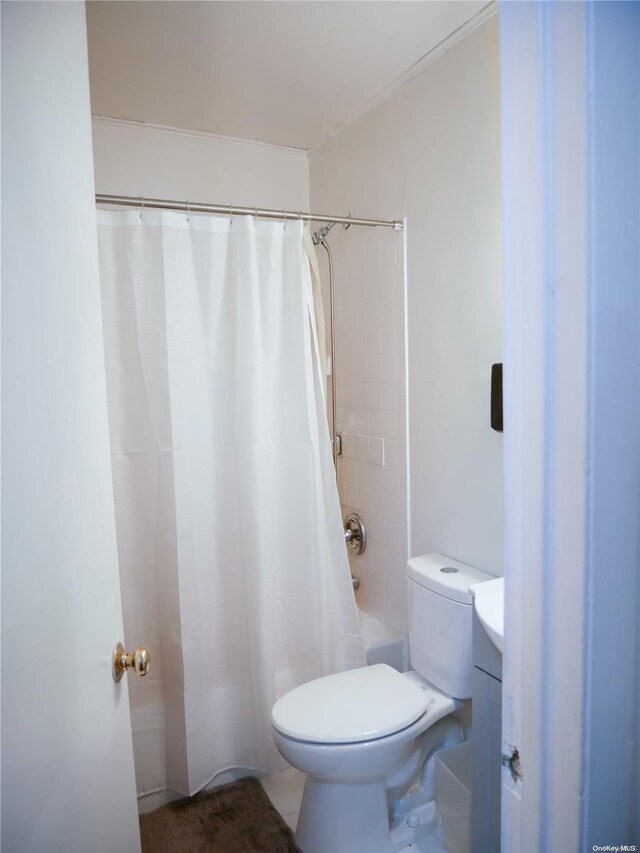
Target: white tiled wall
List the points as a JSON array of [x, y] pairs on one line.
[[371, 410], [430, 153]]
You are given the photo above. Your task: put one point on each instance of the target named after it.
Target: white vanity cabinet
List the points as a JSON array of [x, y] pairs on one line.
[[486, 740]]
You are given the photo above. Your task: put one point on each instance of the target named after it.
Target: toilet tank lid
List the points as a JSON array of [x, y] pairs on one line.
[[445, 576]]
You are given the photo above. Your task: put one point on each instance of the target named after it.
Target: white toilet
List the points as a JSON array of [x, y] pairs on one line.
[[366, 737]]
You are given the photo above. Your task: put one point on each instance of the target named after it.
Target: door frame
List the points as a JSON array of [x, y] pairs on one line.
[[570, 142]]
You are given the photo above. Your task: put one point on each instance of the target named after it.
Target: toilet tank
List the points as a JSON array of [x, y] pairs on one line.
[[440, 621]]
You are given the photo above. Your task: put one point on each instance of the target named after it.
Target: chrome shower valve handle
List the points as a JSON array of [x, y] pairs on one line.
[[355, 533]]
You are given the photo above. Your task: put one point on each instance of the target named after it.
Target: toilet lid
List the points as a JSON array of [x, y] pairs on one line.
[[356, 705]]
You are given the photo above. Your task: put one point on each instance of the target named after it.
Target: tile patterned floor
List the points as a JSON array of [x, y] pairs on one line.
[[284, 789], [432, 843]]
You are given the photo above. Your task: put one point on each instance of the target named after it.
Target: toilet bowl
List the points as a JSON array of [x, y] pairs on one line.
[[353, 783], [366, 738]]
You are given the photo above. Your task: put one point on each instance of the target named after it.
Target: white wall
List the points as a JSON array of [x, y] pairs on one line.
[[431, 152], [67, 763], [143, 160]]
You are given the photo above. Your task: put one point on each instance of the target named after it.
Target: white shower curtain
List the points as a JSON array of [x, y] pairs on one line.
[[231, 549]]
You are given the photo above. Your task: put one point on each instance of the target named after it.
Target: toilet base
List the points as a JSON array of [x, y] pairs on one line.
[[359, 820]]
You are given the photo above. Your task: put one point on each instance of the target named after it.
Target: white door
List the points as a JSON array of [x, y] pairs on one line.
[[67, 761]]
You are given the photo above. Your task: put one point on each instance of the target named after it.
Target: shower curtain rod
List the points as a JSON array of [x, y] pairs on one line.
[[230, 209]]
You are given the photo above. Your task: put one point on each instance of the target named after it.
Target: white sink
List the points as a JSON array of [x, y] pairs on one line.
[[488, 600]]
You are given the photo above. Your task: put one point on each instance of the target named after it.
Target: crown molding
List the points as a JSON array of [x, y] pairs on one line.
[[197, 134]]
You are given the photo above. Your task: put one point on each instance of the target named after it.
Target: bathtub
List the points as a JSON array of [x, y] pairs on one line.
[[383, 645]]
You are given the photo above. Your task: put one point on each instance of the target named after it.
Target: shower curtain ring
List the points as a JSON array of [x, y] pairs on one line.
[[231, 211], [188, 210], [141, 207]]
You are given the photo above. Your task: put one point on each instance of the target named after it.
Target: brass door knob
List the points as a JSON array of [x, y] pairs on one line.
[[137, 660]]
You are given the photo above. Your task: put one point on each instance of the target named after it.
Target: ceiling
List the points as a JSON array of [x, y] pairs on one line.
[[287, 73]]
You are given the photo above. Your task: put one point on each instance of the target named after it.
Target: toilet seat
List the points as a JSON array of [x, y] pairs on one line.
[[350, 707]]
